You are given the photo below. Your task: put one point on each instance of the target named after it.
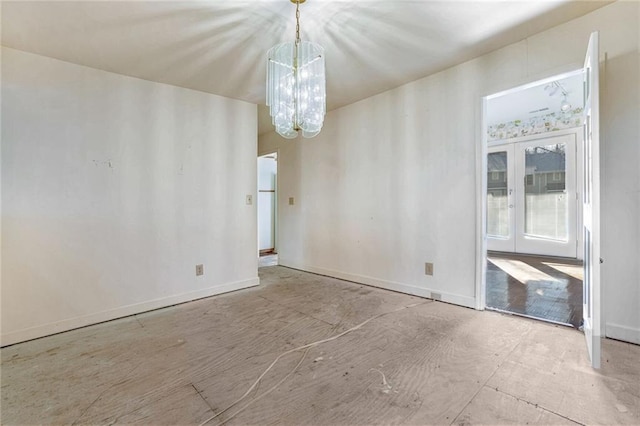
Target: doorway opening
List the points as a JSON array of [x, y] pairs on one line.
[[533, 207], [585, 119], [267, 209]]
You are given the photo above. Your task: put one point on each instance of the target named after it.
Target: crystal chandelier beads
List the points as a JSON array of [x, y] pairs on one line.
[[296, 93]]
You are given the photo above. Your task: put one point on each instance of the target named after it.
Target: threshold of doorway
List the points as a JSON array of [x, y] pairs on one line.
[[268, 260], [570, 260], [502, 311]]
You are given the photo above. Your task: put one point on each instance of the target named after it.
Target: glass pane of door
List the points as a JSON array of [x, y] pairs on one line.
[[546, 203], [497, 195]]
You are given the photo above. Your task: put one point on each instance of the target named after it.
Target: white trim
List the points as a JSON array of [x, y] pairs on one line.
[[481, 213], [269, 151], [276, 229], [120, 312], [413, 290], [622, 332], [518, 314]]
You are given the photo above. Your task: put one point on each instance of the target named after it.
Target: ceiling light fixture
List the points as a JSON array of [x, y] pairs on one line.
[[296, 94], [552, 88], [555, 87]]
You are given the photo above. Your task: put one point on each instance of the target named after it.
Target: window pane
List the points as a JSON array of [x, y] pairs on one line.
[[497, 199], [546, 203]]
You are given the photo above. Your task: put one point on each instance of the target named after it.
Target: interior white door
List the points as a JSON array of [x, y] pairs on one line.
[[267, 172], [546, 196], [591, 203], [500, 199]]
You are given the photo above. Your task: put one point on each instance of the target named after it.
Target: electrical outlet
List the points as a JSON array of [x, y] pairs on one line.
[[249, 199], [428, 268], [199, 270], [292, 201]]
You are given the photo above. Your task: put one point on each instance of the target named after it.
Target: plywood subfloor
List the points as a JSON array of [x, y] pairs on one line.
[[431, 363]]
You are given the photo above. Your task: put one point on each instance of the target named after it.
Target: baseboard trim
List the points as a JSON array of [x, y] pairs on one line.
[[413, 290], [621, 332], [120, 312]]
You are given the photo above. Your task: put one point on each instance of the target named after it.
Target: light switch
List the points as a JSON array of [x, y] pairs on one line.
[[249, 199], [292, 201]]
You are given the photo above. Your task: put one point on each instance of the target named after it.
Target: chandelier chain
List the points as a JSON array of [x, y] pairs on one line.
[[297, 22]]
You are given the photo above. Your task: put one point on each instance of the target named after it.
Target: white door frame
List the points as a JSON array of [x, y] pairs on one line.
[[275, 214]]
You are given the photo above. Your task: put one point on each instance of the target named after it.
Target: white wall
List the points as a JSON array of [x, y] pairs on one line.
[[113, 189], [620, 193], [390, 182]]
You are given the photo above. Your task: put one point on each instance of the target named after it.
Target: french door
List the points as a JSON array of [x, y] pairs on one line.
[[532, 196]]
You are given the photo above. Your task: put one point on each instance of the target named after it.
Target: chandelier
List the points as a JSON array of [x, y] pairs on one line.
[[296, 85]]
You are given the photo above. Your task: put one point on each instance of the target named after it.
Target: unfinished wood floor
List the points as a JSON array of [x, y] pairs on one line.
[[432, 363]]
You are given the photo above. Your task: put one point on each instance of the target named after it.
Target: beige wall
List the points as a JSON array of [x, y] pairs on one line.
[[113, 189], [391, 181]]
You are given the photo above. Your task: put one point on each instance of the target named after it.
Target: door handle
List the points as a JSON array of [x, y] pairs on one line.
[[510, 206]]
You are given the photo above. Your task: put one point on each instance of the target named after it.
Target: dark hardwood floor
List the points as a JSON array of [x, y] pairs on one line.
[[546, 288]]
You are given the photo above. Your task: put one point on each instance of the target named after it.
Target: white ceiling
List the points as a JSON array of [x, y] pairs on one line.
[[535, 99], [219, 46]]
